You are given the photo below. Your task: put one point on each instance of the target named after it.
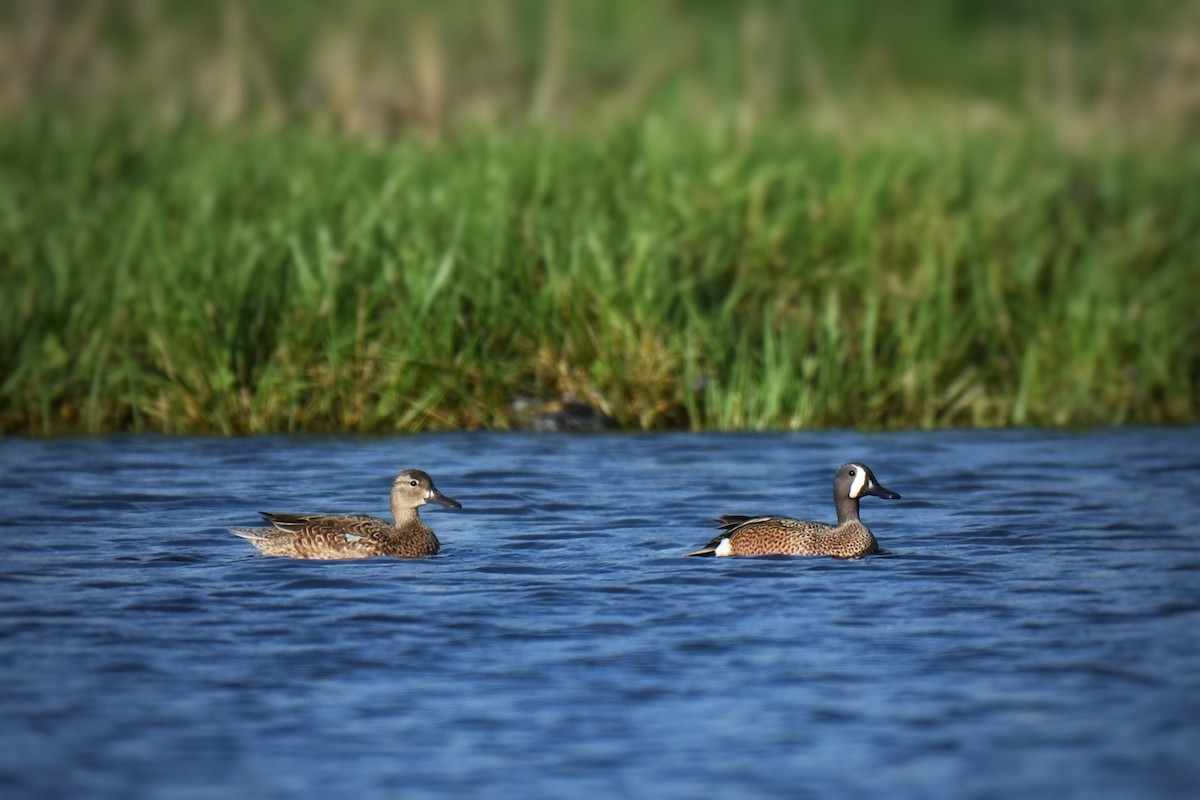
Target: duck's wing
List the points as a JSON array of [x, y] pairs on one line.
[[730, 522], [346, 526]]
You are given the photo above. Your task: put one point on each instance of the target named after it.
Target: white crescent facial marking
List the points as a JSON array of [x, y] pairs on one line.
[[860, 481], [724, 548]]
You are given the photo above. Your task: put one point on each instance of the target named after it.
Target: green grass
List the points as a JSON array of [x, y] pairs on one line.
[[191, 281], [392, 216]]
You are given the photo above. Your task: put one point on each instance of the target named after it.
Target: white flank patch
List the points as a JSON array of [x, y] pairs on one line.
[[724, 548], [860, 481]]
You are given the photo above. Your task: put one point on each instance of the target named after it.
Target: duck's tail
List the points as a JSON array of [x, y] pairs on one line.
[[709, 549], [257, 536], [250, 533], [727, 523]]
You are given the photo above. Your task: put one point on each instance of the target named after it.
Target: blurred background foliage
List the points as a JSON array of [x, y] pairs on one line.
[[376, 69], [236, 216]]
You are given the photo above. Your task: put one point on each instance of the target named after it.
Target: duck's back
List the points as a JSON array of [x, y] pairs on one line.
[[782, 536], [340, 536]]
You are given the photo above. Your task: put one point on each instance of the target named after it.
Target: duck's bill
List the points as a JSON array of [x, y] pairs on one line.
[[446, 502], [879, 491]]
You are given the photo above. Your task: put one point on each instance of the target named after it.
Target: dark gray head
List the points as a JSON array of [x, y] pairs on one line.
[[851, 483], [413, 488]]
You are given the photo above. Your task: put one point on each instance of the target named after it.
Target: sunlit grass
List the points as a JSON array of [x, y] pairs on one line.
[[378, 216], [676, 276]]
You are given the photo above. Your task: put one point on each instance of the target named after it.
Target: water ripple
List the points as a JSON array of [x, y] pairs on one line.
[[1031, 627]]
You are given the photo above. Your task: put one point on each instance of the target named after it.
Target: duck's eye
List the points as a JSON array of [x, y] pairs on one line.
[[853, 472], [412, 483]]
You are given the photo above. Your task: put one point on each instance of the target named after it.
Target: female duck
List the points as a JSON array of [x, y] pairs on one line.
[[356, 535]]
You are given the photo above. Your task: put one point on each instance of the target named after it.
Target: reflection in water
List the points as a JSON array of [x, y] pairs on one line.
[[1031, 627]]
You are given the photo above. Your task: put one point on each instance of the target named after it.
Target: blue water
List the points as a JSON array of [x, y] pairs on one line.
[[1033, 631]]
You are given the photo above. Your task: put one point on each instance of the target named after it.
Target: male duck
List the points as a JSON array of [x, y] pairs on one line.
[[850, 538], [356, 535]]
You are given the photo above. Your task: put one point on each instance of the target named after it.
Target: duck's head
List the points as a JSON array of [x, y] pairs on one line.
[[855, 480], [414, 488]]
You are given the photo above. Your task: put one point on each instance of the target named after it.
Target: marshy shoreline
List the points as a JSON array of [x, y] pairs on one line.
[[737, 270]]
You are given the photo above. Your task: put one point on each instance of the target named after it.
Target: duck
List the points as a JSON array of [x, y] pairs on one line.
[[329, 536], [849, 538]]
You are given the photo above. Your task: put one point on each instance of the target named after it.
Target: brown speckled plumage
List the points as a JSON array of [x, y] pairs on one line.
[[850, 538], [356, 535]]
